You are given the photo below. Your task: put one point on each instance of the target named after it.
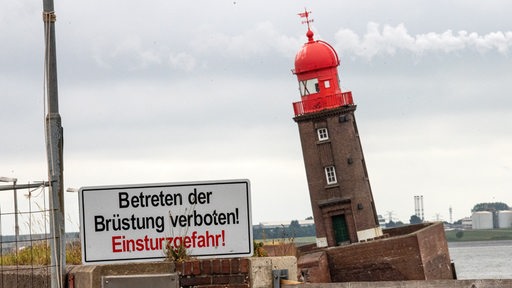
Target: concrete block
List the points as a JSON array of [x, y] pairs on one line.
[[261, 269], [90, 276], [261, 272], [286, 262]]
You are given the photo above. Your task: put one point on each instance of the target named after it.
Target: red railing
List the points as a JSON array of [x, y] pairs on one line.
[[322, 103]]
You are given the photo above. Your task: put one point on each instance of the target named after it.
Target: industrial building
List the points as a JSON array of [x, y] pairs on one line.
[[491, 219]]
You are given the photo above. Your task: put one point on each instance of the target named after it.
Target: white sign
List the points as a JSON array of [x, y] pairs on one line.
[[139, 222]]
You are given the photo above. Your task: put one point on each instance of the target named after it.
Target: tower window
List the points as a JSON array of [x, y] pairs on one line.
[[322, 134], [309, 86], [327, 84], [330, 175]]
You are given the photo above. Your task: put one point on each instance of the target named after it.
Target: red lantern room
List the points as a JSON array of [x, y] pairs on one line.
[[316, 69]]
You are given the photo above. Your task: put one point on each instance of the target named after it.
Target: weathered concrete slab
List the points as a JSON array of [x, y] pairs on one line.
[[484, 283], [261, 269], [25, 276], [90, 276], [169, 280]]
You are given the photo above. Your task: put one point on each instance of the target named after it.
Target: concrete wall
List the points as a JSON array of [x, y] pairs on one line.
[[90, 276], [492, 283], [261, 270], [227, 272], [24, 277], [83, 276]]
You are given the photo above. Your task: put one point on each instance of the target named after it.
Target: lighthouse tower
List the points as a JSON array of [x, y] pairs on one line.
[[339, 188]]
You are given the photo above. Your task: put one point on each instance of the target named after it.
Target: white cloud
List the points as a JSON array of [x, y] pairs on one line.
[[182, 61], [128, 51], [501, 41], [261, 39], [388, 39], [207, 48]]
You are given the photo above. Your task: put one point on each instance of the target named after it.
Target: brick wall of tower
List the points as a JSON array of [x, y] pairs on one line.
[[417, 252], [343, 150], [414, 252], [314, 172]]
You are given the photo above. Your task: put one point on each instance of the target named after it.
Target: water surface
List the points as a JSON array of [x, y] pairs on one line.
[[482, 259]]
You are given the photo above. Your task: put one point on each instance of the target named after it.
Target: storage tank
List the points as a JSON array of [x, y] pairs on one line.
[[482, 220], [505, 219]]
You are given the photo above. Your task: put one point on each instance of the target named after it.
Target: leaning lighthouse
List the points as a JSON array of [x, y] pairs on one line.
[[339, 188]]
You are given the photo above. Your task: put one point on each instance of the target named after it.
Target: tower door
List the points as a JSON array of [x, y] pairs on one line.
[[339, 225]]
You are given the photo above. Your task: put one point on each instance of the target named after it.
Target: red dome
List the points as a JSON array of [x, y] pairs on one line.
[[315, 55]]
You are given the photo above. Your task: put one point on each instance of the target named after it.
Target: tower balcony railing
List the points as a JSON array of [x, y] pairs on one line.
[[323, 103]]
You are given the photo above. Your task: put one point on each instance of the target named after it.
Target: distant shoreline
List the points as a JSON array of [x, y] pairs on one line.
[[456, 235], [478, 235]]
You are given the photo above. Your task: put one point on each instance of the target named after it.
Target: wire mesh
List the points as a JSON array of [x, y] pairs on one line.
[[25, 238]]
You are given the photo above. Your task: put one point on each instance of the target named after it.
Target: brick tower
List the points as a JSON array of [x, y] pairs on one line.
[[339, 188]]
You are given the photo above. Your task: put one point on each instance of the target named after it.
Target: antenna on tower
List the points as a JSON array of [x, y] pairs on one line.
[[305, 14]]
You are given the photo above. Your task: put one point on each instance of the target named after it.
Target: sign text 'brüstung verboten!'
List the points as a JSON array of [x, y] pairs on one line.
[[139, 222]]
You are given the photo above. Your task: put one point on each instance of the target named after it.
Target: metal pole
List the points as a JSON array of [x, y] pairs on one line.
[[25, 186], [16, 225], [54, 151], [1, 238]]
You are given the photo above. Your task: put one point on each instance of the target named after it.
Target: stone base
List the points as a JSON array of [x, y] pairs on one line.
[[414, 252], [253, 272]]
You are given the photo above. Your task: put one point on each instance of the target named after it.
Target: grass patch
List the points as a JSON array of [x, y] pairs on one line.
[[451, 236], [39, 254], [297, 240], [478, 235]]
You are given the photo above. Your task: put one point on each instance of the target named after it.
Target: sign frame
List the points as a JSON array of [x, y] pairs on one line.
[[218, 213]]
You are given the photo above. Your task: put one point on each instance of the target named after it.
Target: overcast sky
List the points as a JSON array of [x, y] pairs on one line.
[[172, 91]]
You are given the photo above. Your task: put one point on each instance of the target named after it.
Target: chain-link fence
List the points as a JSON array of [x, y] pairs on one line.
[[24, 235]]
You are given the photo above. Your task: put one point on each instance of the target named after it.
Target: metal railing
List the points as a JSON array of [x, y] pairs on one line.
[[322, 103], [25, 235]]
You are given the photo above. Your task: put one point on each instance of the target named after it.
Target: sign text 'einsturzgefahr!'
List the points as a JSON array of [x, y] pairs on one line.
[[139, 222]]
